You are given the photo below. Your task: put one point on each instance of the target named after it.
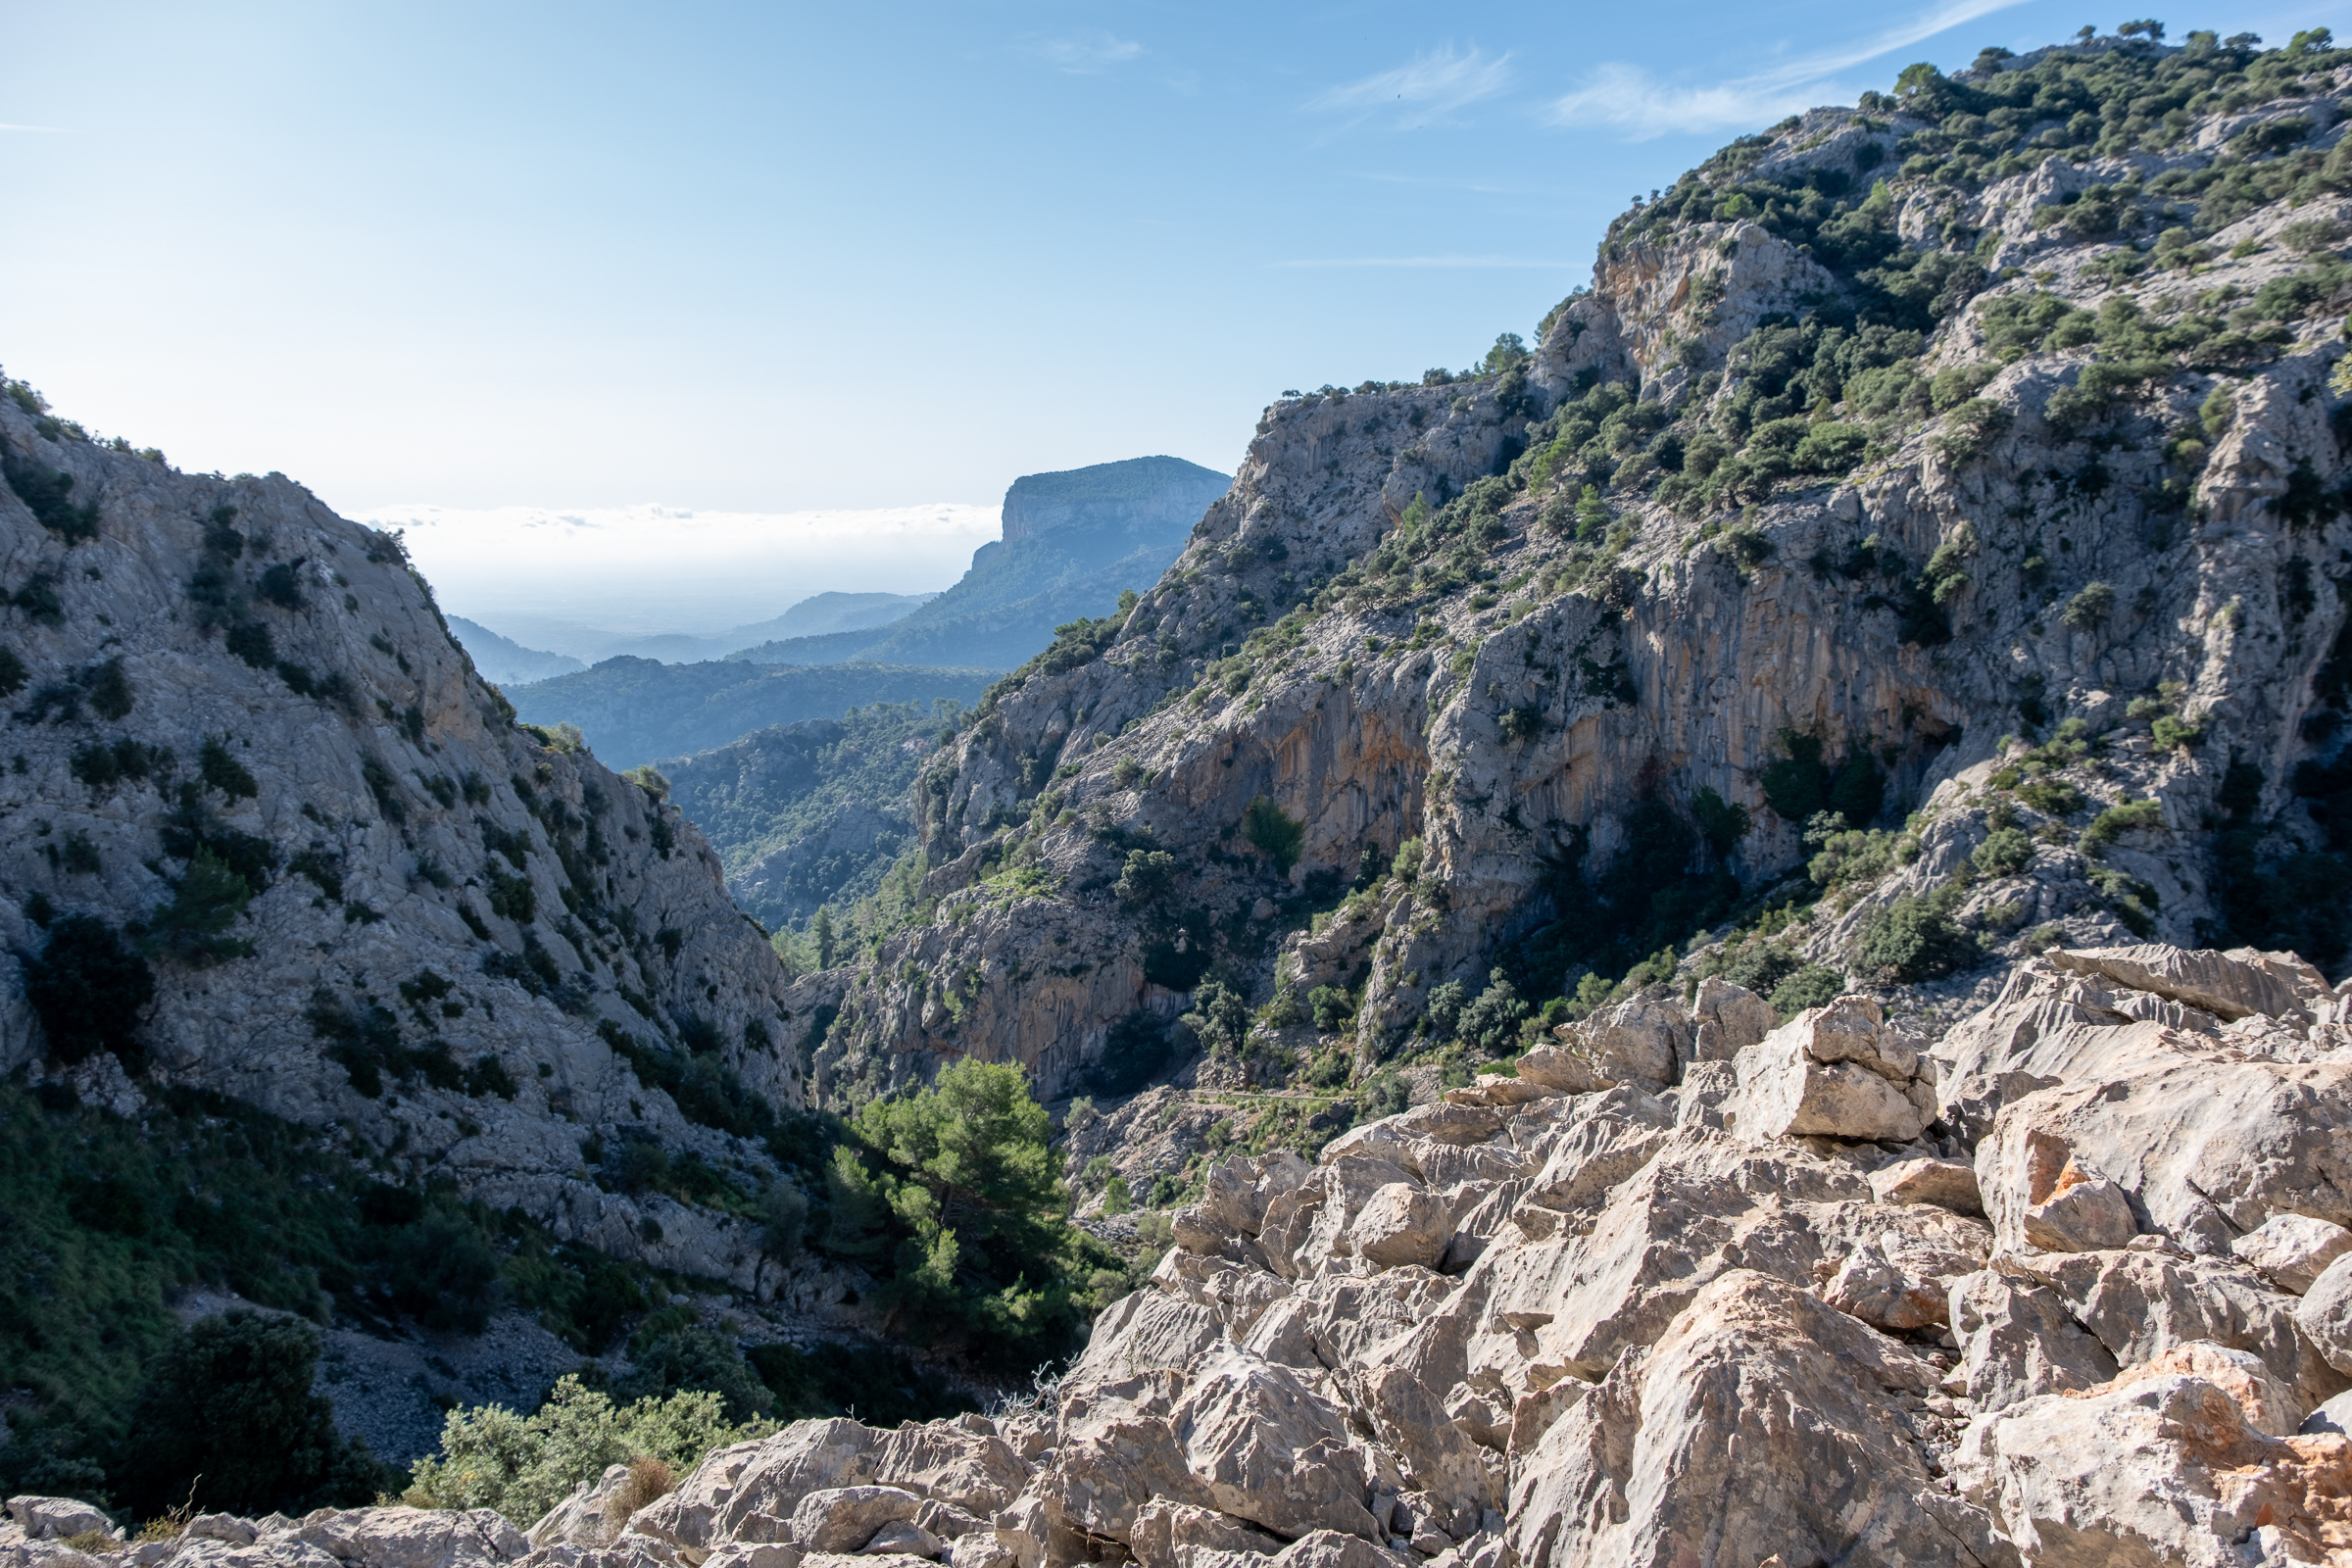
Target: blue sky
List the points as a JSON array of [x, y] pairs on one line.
[[769, 258]]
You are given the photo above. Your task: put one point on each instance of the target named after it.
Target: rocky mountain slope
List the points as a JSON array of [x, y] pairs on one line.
[[1924, 543], [1684, 1288], [1073, 542], [269, 837]]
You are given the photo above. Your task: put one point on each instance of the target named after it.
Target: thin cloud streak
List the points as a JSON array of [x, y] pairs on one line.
[[41, 130], [1434, 84], [1086, 53], [1634, 100], [1483, 263]]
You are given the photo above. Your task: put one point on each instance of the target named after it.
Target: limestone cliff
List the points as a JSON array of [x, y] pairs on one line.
[[268, 833], [1944, 453]]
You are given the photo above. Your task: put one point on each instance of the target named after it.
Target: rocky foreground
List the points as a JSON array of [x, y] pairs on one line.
[[2069, 1285]]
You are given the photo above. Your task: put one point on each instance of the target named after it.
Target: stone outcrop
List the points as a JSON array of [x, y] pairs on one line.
[[1675, 1342], [244, 744]]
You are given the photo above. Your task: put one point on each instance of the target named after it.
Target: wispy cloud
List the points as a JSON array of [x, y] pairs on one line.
[[41, 131], [1475, 262], [1088, 53], [1634, 100], [1436, 83]]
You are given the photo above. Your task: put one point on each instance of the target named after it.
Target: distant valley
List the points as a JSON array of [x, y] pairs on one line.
[[792, 742]]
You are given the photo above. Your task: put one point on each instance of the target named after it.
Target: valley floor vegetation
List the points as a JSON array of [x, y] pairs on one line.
[[946, 1198]]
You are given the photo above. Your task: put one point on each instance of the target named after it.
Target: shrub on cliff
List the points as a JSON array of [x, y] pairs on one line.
[[88, 988], [228, 1419], [1272, 831]]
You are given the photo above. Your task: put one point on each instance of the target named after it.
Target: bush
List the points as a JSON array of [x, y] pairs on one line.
[[88, 988], [1722, 825], [2133, 817], [1813, 986], [492, 1457], [228, 1419], [1913, 938], [224, 772], [696, 1361], [2168, 732], [1271, 831], [1334, 1008], [2088, 610], [1490, 1025], [2004, 853], [1149, 877], [205, 903]]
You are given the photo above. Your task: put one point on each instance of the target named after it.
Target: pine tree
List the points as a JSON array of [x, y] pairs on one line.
[[825, 945]]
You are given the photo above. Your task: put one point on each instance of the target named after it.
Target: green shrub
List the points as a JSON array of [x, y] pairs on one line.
[[1722, 825], [88, 988], [521, 1466], [1148, 877], [1913, 938], [1489, 1024], [110, 691], [48, 494], [1813, 986], [2088, 610], [2133, 817], [224, 772], [2052, 797], [1333, 1008], [227, 1422], [2167, 732], [1273, 832], [2006, 851], [190, 928]]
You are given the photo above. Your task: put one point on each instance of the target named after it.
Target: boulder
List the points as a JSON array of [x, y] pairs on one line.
[[770, 1476], [2268, 1405], [2143, 1302], [1149, 1328], [846, 1518], [904, 1537], [2204, 1150], [1945, 1183], [579, 1519], [2018, 1342], [1263, 1449], [1117, 1452], [55, 1518], [2325, 1315], [2293, 1249], [1761, 1423], [1835, 1071], [1557, 1071], [1639, 1042], [1401, 1224], [1171, 1534], [2164, 1470], [413, 1537], [2229, 985], [1728, 1019]]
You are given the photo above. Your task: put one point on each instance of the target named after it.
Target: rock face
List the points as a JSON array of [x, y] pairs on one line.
[[247, 756], [1674, 1343], [1528, 707]]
